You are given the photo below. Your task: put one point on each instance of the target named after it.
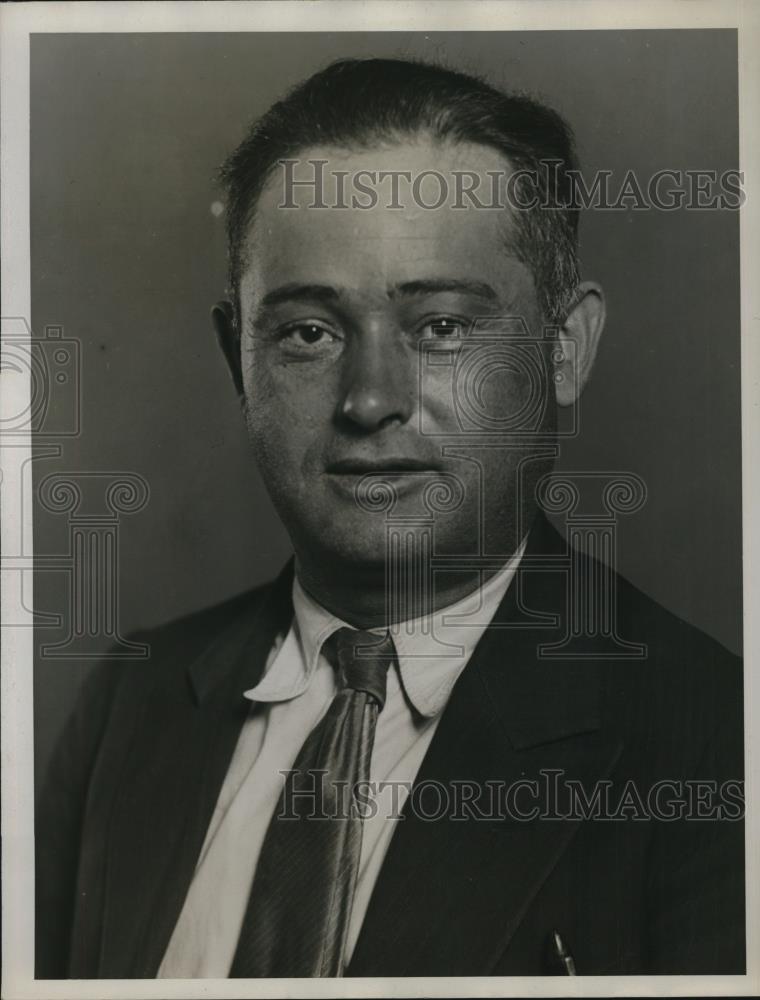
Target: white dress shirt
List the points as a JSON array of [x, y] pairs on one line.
[[294, 693]]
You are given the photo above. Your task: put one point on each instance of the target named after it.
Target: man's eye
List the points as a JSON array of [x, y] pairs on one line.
[[444, 328], [306, 336]]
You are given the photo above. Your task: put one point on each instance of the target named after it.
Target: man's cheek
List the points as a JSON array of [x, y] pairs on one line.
[[470, 392], [436, 401]]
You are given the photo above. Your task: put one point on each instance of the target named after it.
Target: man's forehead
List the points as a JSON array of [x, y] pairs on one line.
[[408, 173], [348, 221]]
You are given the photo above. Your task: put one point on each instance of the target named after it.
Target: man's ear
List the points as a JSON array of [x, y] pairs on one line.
[[578, 341], [228, 337]]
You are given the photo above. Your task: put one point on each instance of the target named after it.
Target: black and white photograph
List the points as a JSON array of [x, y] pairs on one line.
[[379, 556]]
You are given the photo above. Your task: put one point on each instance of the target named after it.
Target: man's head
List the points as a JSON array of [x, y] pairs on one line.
[[357, 104], [384, 337]]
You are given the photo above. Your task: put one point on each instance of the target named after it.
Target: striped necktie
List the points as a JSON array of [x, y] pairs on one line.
[[298, 912]]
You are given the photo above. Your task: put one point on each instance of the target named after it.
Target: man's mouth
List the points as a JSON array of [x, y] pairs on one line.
[[391, 465]]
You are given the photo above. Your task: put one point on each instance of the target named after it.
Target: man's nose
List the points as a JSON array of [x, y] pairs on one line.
[[378, 382]]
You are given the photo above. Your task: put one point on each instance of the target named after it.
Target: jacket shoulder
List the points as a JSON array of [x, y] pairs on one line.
[[171, 646], [191, 631], [641, 618], [685, 691]]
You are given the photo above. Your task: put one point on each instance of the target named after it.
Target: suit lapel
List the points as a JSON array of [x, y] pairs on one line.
[[171, 784], [451, 893]]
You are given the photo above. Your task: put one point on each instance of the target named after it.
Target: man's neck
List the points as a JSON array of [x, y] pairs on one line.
[[360, 597]]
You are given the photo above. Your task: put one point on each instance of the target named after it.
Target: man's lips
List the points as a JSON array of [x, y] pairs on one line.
[[380, 466]]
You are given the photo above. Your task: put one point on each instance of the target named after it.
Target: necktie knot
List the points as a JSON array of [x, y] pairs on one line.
[[363, 659]]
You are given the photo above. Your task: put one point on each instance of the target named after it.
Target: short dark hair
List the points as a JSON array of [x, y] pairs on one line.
[[357, 102]]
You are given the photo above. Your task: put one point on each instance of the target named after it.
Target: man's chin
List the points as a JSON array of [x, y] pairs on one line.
[[352, 550], [358, 547]]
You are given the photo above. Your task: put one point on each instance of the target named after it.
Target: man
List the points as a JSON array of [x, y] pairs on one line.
[[391, 761]]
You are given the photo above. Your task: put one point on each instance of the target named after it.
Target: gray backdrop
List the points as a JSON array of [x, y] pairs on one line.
[[127, 257]]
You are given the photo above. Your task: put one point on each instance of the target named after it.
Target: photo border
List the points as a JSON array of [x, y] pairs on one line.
[[17, 23]]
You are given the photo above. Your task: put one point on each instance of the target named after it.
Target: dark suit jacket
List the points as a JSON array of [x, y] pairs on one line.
[[125, 807]]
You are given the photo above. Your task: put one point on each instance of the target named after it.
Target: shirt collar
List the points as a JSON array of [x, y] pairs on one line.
[[432, 651]]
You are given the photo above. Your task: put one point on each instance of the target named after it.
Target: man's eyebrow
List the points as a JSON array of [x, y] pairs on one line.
[[295, 292], [432, 286]]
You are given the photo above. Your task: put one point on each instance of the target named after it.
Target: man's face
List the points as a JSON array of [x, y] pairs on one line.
[[361, 365]]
